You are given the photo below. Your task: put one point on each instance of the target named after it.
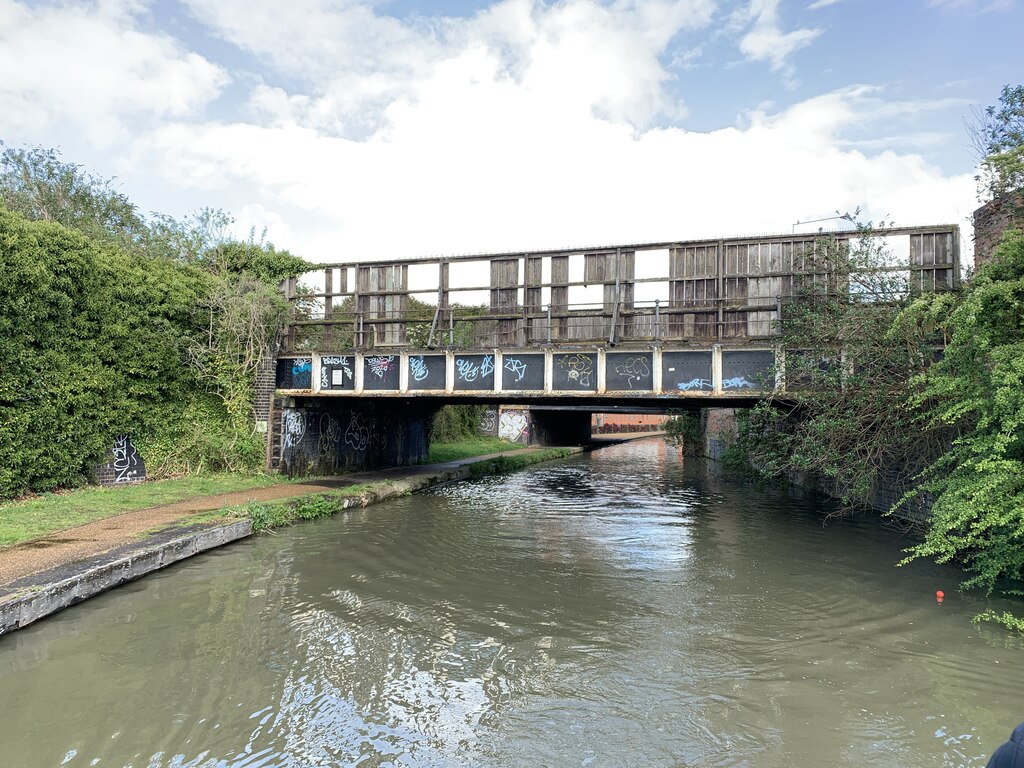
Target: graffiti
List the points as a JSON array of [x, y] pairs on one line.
[[342, 371], [302, 373], [579, 368], [738, 382], [293, 429], [634, 369], [686, 386], [418, 368], [365, 432], [330, 432], [467, 370], [127, 465], [513, 425], [516, 367], [358, 434], [379, 366], [488, 421]]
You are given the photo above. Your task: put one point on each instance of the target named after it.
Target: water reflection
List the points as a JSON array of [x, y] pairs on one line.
[[616, 609]]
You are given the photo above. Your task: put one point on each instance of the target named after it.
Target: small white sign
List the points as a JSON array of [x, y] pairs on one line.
[[337, 377]]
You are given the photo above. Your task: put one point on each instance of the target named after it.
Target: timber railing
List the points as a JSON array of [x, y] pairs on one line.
[[706, 291]]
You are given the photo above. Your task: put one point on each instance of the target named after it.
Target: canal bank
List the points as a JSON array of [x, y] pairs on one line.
[[41, 577], [627, 606]]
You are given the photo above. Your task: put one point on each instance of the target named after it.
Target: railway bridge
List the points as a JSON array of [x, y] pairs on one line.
[[373, 348]]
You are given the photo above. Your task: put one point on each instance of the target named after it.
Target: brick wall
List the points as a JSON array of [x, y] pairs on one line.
[[613, 423], [989, 222]]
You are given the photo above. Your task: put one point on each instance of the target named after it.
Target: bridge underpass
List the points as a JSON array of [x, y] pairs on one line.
[[363, 370]]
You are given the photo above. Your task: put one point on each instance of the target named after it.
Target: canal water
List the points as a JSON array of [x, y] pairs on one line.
[[622, 608]]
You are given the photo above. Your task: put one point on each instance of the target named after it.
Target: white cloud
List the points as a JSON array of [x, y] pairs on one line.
[[765, 41], [356, 63], [90, 66], [525, 126], [817, 4], [974, 6], [472, 165]]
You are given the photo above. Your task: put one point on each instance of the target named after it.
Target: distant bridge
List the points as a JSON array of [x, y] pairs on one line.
[[655, 325]]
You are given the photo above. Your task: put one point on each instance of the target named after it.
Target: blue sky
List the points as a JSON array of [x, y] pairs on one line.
[[353, 129]]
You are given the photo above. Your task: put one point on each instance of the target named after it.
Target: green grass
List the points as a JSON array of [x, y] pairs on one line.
[[30, 518], [313, 507], [464, 449], [37, 516]]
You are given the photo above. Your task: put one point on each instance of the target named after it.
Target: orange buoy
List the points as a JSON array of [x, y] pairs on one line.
[[939, 595]]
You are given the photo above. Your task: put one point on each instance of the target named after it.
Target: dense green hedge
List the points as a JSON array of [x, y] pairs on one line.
[[91, 345]]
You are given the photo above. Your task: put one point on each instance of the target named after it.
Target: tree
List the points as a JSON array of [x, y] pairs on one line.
[[844, 420], [40, 186], [114, 322], [977, 391], [997, 135]]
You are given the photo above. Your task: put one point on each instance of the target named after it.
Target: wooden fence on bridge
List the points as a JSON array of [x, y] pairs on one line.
[[703, 292]]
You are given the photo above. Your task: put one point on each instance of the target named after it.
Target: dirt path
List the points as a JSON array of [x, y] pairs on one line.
[[91, 539]]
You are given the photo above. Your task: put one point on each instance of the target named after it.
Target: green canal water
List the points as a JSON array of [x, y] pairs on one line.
[[622, 608]]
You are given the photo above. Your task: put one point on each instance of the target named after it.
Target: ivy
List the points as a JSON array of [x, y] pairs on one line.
[[977, 391], [114, 323]]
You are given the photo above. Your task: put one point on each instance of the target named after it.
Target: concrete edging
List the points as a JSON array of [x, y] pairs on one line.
[[39, 602], [36, 604]]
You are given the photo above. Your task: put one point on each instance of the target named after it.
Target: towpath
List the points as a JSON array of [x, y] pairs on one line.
[[61, 550]]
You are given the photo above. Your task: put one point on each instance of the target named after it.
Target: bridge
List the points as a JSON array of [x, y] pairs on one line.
[[372, 348]]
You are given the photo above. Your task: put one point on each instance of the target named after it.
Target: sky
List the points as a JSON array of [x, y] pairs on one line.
[[396, 129]]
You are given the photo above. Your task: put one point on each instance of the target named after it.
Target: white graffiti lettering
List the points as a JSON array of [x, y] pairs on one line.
[[634, 369], [487, 366], [293, 429], [126, 460], [739, 382], [513, 425], [335, 371], [516, 366], [467, 369], [488, 421], [358, 434], [579, 368], [380, 366]]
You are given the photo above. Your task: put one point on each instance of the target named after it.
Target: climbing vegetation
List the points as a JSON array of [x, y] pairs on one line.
[[852, 374], [683, 430], [118, 323], [976, 393], [454, 423]]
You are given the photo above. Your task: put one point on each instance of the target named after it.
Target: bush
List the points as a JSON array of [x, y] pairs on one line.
[[456, 422]]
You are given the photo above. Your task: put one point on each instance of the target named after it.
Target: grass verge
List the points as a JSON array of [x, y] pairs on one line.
[[464, 449], [266, 516], [37, 516]]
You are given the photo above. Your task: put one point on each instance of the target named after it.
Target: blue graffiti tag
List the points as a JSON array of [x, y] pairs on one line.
[[487, 366], [738, 382], [418, 368], [516, 366], [686, 386], [302, 373], [468, 370]]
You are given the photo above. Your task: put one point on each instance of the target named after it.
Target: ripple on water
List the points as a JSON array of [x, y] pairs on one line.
[[616, 609]]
